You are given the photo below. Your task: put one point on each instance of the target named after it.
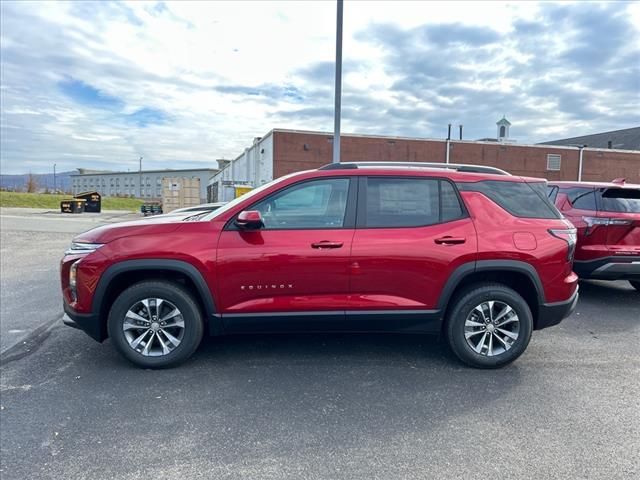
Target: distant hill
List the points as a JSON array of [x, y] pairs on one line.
[[44, 180]]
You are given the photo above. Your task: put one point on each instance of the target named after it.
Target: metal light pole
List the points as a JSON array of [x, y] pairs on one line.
[[140, 173], [54, 178], [338, 89]]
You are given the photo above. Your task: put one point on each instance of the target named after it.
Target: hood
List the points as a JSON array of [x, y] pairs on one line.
[[146, 226]]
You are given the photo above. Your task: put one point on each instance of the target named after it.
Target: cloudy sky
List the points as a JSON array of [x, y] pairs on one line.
[[99, 84]]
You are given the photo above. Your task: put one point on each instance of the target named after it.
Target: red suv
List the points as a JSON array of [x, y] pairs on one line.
[[483, 258], [607, 217]]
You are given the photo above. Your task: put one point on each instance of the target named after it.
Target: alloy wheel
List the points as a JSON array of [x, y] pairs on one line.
[[153, 327], [491, 328]]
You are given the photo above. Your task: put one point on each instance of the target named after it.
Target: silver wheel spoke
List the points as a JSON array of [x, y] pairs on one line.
[[491, 303], [490, 350], [471, 334], [137, 317], [171, 338], [127, 325], [159, 303], [178, 324], [134, 344], [145, 351], [471, 323], [165, 349], [508, 320], [506, 345], [478, 347], [504, 312], [174, 313], [507, 333]]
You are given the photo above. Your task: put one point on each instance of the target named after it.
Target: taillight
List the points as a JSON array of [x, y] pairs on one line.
[[604, 221], [591, 221], [569, 235]]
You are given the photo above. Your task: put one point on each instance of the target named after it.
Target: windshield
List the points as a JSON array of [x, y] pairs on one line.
[[228, 206]]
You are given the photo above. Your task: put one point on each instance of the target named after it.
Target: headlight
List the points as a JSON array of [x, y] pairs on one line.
[[81, 248], [73, 276], [73, 273]]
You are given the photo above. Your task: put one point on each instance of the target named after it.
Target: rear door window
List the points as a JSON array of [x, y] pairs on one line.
[[620, 200], [409, 202]]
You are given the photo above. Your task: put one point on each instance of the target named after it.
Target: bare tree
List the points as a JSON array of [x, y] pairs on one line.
[[32, 184]]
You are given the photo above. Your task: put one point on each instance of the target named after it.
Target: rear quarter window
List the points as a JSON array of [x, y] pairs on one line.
[[620, 200], [520, 199]]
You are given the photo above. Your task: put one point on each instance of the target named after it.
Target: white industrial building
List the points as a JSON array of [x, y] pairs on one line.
[[252, 168], [144, 184]]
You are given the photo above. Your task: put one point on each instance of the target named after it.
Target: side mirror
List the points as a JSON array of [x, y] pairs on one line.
[[249, 220]]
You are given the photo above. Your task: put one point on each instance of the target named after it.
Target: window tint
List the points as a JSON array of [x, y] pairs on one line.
[[401, 202], [451, 208], [620, 200], [314, 204], [552, 193], [582, 198], [518, 198]]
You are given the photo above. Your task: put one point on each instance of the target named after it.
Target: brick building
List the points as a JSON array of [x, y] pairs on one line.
[[281, 152]]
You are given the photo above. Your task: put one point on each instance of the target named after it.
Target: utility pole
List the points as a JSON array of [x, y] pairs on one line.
[[140, 170], [448, 144], [54, 178], [338, 88]]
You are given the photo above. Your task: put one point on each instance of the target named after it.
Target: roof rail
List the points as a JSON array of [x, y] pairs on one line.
[[459, 167]]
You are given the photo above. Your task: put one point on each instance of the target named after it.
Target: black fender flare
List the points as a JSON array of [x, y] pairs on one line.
[[212, 319], [468, 268]]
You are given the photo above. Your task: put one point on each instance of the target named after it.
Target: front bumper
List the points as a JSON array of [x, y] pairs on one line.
[[550, 314], [87, 322], [609, 268]]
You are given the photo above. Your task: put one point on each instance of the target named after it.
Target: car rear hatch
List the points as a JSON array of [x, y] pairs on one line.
[[619, 210]]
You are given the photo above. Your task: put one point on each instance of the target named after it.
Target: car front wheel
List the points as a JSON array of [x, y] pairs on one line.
[[155, 324], [489, 325]]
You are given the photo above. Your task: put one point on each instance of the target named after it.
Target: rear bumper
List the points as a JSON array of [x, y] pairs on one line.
[[87, 322], [609, 268], [550, 314]]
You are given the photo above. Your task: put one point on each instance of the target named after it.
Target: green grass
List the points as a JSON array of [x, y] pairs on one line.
[[52, 201]]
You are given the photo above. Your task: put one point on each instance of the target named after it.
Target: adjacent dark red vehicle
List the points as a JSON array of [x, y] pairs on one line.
[[470, 252], [607, 217]]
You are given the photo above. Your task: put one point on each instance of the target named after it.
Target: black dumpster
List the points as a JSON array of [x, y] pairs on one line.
[[73, 205], [93, 199], [151, 208]]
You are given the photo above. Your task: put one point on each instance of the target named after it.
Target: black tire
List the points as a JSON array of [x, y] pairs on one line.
[[465, 302], [635, 284], [171, 292]]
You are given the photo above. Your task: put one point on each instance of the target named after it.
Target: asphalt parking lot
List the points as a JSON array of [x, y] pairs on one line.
[[308, 406]]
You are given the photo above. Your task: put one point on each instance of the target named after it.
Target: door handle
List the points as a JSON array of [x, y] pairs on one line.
[[450, 240], [327, 244]]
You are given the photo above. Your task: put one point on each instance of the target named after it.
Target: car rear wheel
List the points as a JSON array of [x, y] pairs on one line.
[[635, 284], [155, 324], [489, 325]]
